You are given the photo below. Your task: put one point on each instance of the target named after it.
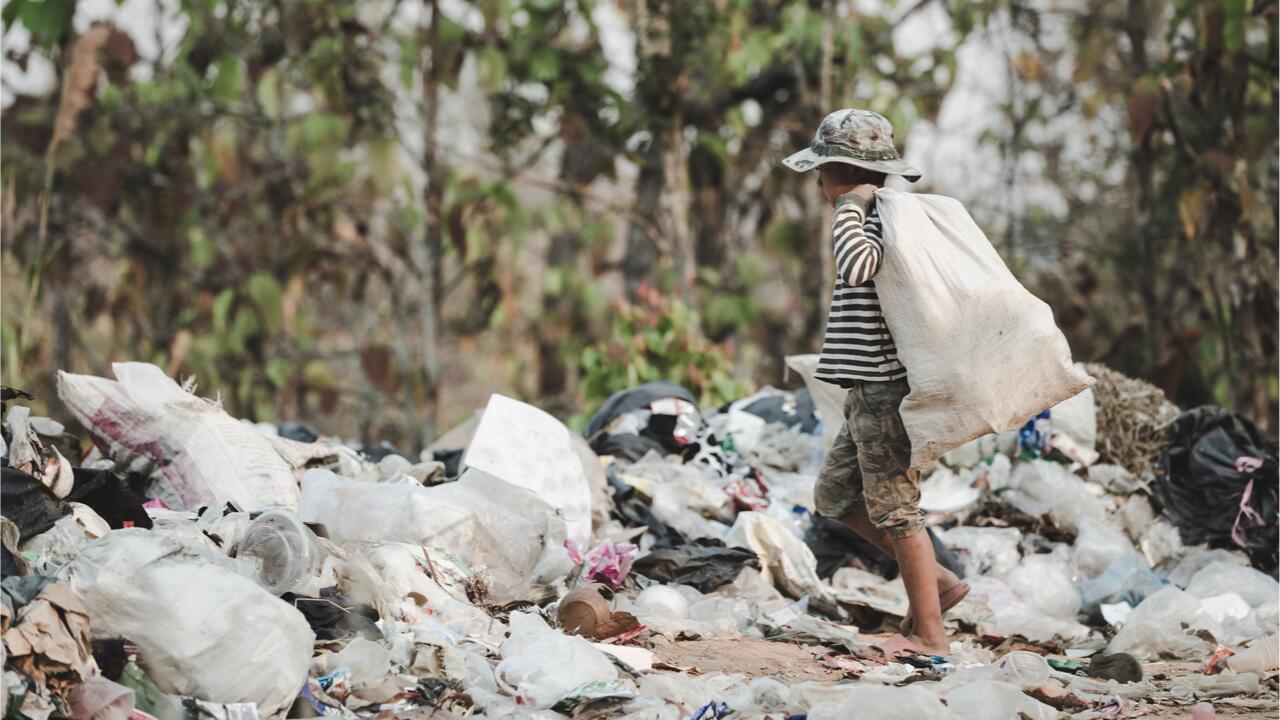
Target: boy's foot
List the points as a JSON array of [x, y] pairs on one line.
[[938, 646], [946, 600], [898, 645]]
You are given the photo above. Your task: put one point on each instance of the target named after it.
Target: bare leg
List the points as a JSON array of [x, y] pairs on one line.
[[915, 557], [859, 522]]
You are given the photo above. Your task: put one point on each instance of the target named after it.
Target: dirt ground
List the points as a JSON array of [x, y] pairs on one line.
[[791, 662]]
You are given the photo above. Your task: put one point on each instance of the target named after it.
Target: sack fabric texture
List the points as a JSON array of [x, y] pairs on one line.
[[982, 353]]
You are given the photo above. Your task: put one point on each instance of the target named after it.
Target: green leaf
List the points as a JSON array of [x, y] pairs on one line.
[[221, 310], [277, 371], [48, 20], [228, 81], [544, 64], [1233, 28], [269, 299]]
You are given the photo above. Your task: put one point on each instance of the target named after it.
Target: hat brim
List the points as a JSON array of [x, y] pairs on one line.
[[806, 160]]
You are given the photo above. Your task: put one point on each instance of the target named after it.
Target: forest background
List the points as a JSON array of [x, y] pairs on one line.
[[369, 215]]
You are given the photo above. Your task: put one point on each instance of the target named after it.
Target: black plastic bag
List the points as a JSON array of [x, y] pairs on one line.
[[112, 496], [624, 401], [28, 503], [334, 617], [835, 545], [1218, 483], [789, 408], [632, 512], [705, 564]]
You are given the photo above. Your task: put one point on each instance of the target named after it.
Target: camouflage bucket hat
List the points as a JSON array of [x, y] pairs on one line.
[[854, 137]]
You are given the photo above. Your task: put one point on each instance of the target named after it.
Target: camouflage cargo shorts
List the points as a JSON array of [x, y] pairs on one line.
[[869, 460]]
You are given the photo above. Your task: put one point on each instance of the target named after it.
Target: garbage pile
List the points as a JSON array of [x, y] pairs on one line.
[[666, 565]]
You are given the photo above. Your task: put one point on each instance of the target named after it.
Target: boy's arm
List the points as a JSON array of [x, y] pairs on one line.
[[857, 255]]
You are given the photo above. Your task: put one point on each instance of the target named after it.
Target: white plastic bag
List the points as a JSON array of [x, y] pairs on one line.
[[196, 454], [1163, 625], [784, 558], [993, 700], [524, 446], [503, 530], [1044, 582], [201, 628], [543, 665], [984, 550], [1219, 577], [883, 702], [982, 354], [1097, 545]]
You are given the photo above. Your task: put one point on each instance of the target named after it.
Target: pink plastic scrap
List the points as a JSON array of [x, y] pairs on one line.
[[607, 563]]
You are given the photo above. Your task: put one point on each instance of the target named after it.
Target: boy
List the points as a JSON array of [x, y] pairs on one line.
[[866, 482]]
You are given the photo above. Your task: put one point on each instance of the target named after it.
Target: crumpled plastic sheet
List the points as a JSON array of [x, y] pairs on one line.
[[784, 559], [705, 564], [883, 702], [201, 628], [1155, 628], [510, 534], [995, 700], [543, 665]]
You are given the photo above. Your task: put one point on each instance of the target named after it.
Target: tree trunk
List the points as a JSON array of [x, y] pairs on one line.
[[432, 245]]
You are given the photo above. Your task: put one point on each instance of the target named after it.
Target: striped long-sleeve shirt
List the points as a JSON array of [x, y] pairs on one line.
[[858, 345]]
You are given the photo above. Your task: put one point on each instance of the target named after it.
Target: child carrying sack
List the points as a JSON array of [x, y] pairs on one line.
[[982, 353]]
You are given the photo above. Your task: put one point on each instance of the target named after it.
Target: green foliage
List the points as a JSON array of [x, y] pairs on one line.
[[659, 338]]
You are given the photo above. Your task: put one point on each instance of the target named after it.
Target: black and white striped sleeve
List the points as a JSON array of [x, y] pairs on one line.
[[857, 253]]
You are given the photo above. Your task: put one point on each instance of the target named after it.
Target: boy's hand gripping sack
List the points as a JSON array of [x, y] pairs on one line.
[[982, 353]]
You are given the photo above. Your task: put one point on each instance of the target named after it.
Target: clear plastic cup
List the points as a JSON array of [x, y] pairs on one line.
[[285, 551], [1025, 668]]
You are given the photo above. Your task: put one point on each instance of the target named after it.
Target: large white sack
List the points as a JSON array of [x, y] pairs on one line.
[[195, 454], [524, 446], [201, 628], [982, 353], [509, 532]]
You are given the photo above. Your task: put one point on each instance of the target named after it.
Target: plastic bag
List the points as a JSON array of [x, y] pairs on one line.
[[1219, 483], [1097, 545], [883, 702], [1218, 577], [196, 454], [784, 559], [543, 665], [1044, 487], [964, 326], [504, 530], [100, 699], [62, 542], [1126, 579], [28, 504], [201, 628], [1044, 582], [983, 550], [705, 564], [993, 700], [525, 447], [1162, 626]]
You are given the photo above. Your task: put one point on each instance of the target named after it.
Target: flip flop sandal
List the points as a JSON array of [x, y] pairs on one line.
[[946, 601], [898, 645]]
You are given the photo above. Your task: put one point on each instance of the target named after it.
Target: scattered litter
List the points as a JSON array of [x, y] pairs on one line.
[[197, 565]]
